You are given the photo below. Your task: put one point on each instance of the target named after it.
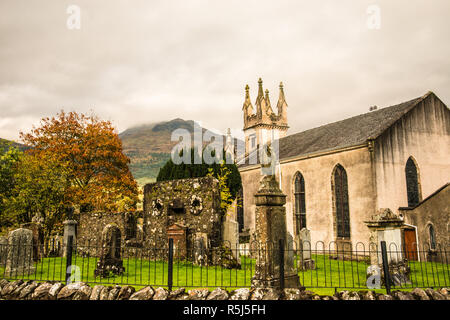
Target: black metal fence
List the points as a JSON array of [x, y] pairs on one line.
[[318, 266]]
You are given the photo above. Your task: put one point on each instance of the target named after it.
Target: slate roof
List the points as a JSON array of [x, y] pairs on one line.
[[345, 133]]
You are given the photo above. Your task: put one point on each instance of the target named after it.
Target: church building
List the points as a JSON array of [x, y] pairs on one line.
[[337, 176]]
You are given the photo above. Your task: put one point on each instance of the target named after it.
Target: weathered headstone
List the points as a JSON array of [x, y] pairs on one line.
[[231, 236], [269, 229], [200, 249], [70, 229], [38, 239], [110, 256], [20, 253], [177, 232], [305, 262]]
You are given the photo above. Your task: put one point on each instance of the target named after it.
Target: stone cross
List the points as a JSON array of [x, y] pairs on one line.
[[269, 229], [19, 259]]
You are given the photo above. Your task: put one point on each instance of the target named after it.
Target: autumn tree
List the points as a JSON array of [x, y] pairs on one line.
[[98, 176], [40, 184]]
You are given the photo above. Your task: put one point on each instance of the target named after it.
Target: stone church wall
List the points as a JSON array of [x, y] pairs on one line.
[[318, 174], [424, 134]]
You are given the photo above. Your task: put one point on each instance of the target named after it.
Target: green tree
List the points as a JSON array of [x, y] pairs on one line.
[[171, 171], [9, 159]]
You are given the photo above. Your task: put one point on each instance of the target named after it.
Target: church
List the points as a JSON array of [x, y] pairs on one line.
[[337, 176]]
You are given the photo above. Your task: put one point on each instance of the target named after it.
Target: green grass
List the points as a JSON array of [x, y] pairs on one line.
[[329, 274]]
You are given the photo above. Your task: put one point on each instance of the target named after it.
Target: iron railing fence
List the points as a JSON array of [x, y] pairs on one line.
[[176, 265]]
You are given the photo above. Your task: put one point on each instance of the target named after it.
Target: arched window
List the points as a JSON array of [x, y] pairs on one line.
[[432, 237], [299, 202], [341, 202], [412, 183]]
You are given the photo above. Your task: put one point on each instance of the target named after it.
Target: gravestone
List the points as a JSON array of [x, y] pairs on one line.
[[200, 248], [177, 232], [19, 259], [3, 250], [231, 236], [70, 229], [305, 261], [38, 239], [269, 229], [110, 255]]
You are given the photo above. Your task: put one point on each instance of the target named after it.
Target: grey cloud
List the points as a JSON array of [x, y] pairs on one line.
[[147, 61]]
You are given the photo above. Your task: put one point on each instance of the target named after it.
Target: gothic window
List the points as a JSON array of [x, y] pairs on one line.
[[432, 237], [341, 202], [299, 202], [412, 183]]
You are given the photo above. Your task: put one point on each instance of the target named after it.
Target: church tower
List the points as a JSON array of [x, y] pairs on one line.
[[265, 125]]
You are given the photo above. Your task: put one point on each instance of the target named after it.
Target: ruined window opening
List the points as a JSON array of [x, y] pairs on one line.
[[412, 183], [341, 202], [300, 204]]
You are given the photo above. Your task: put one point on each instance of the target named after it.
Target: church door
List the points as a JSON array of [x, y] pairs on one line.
[[410, 244]]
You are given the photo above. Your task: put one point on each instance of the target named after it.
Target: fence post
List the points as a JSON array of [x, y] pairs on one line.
[[387, 280], [170, 265], [69, 258], [281, 257]]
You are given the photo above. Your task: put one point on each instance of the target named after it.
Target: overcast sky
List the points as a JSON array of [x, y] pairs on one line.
[[135, 62]]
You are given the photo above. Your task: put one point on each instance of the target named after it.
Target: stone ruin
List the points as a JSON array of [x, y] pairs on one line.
[[111, 253], [188, 211], [386, 226], [19, 256]]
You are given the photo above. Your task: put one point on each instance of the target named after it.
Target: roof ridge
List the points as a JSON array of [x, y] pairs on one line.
[[370, 112]]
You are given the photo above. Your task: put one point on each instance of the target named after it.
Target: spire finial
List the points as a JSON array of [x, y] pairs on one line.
[[267, 93], [281, 86]]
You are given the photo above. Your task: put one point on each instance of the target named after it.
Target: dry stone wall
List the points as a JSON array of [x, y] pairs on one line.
[[31, 290]]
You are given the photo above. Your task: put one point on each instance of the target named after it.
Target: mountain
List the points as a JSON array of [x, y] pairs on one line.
[[148, 146]]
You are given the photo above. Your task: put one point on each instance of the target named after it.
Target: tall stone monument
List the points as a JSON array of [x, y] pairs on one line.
[[270, 228], [70, 229], [386, 226], [19, 259]]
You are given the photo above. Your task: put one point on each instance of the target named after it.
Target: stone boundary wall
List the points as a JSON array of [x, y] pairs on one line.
[[31, 290]]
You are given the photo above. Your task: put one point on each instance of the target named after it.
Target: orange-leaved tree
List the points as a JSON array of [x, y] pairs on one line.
[[99, 177]]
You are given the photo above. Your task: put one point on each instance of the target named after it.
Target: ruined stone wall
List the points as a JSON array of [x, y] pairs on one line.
[[193, 204], [91, 225]]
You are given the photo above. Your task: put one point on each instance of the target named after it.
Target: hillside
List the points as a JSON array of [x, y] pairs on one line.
[[5, 144], [149, 146]]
